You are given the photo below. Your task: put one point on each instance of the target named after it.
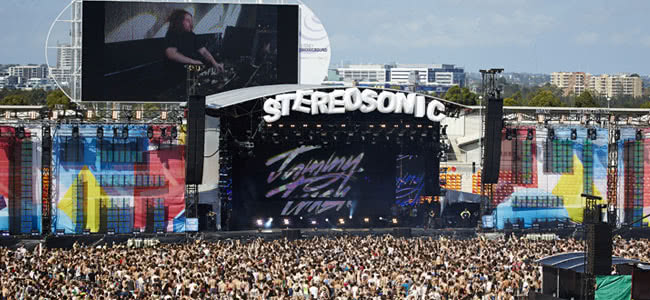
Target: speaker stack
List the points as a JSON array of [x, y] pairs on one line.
[[599, 248], [492, 140], [195, 140]]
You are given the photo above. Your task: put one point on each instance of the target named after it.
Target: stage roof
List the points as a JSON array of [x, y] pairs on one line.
[[575, 261], [234, 97]]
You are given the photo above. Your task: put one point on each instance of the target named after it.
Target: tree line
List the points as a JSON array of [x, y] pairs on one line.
[[35, 97], [547, 96]]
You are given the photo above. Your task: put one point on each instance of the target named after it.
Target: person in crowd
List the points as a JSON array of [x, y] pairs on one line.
[[342, 267]]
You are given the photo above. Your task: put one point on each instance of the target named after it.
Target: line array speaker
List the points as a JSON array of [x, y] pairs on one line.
[[492, 141], [195, 140], [599, 249]]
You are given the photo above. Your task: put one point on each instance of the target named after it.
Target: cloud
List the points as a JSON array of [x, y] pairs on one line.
[[587, 38]]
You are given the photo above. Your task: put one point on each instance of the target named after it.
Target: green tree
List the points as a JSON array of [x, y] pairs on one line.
[[37, 97], [16, 99], [461, 96], [585, 99], [58, 97], [645, 105], [510, 102], [545, 97]]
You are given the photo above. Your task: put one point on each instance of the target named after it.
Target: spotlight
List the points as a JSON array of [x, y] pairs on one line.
[[513, 133], [394, 220], [150, 132], [125, 132], [300, 217], [529, 135], [313, 222], [639, 134], [341, 221], [592, 133], [75, 132], [327, 219], [260, 222], [100, 132], [366, 220], [174, 133], [286, 222], [574, 134]]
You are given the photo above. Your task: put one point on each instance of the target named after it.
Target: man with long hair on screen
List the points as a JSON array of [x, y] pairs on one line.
[[182, 46]]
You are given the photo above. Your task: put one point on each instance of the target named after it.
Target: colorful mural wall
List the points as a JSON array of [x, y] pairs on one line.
[[20, 179], [544, 171], [122, 182]]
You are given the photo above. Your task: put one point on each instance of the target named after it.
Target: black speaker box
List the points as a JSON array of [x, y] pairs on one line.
[[599, 249], [402, 232], [195, 140], [492, 141], [291, 234]]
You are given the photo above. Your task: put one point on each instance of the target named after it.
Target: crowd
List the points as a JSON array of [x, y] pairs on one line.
[[350, 267]]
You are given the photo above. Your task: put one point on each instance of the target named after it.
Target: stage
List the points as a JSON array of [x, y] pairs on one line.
[[96, 239]]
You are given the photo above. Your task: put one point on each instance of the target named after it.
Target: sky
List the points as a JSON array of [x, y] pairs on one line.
[[594, 36]]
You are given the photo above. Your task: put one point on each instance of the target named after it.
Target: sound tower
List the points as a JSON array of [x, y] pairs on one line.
[[492, 140], [195, 140], [599, 248]]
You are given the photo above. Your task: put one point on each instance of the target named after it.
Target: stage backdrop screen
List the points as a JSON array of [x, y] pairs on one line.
[[313, 181], [137, 51]]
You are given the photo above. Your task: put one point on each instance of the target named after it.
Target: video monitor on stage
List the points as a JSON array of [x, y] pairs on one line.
[[138, 51]]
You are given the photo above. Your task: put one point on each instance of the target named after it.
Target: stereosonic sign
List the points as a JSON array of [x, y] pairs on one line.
[[351, 99]]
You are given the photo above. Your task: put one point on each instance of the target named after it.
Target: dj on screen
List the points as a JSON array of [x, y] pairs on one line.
[[182, 47]]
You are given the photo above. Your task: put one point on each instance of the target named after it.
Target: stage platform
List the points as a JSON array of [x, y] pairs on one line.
[[95, 239]]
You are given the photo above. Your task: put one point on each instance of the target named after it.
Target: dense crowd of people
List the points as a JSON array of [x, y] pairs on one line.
[[350, 267]]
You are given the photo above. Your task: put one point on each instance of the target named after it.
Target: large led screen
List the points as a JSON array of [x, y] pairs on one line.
[[138, 51], [312, 181]]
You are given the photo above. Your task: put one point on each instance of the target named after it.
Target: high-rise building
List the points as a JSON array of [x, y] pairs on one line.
[[28, 72], [616, 85], [64, 57], [373, 73], [602, 85], [437, 74], [570, 82]]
